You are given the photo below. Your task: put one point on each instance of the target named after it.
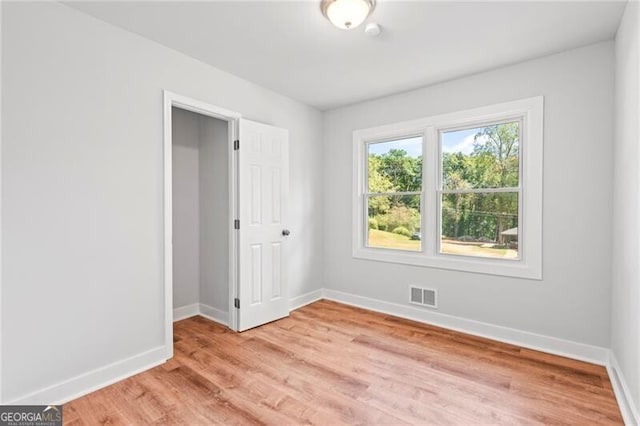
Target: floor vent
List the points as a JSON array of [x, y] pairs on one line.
[[423, 296]]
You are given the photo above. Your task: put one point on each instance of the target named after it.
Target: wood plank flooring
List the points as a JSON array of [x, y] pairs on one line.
[[331, 364]]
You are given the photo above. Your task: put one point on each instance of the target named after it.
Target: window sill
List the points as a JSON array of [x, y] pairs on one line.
[[500, 267]]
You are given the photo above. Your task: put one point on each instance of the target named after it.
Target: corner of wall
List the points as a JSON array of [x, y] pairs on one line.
[[628, 408], [625, 271]]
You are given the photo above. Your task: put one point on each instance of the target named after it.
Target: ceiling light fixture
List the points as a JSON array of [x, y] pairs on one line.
[[347, 14]]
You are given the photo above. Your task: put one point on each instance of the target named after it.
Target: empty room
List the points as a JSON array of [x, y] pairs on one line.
[[320, 212]]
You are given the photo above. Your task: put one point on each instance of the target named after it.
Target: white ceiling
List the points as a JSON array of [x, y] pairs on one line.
[[292, 49]]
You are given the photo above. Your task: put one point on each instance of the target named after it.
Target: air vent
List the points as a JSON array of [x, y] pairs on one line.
[[423, 296]]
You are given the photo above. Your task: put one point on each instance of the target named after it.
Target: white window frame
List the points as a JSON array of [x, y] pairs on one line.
[[529, 264]]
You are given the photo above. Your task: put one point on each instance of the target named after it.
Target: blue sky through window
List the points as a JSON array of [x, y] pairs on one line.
[[453, 141], [459, 140], [413, 146]]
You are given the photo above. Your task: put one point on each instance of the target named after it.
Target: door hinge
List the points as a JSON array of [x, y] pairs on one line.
[[236, 303], [236, 224], [236, 144]]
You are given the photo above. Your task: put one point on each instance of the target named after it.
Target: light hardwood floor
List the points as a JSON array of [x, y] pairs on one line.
[[332, 364]]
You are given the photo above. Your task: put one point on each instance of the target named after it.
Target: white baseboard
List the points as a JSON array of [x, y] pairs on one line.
[[629, 411], [73, 388], [222, 317], [305, 299], [67, 390], [185, 312], [553, 345], [217, 315], [203, 310], [83, 384]]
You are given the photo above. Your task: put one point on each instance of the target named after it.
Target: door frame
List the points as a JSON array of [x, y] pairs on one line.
[[170, 100]]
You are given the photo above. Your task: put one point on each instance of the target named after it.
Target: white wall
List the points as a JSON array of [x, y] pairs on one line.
[[573, 300], [82, 287], [214, 214], [186, 208], [625, 324]]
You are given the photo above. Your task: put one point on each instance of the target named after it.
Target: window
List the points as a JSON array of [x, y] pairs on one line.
[[394, 194], [458, 191], [480, 191]]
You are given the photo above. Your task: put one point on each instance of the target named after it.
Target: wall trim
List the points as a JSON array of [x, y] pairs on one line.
[[630, 413], [185, 312], [214, 314], [76, 387], [83, 384], [222, 317], [204, 310], [67, 390], [305, 299], [553, 345]]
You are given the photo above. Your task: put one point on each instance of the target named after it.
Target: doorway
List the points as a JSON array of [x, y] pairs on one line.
[[226, 183], [200, 216], [203, 131]]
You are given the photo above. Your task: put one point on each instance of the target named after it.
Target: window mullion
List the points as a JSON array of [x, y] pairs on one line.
[[430, 210]]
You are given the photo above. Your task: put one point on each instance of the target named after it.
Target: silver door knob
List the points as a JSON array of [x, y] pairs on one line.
[[286, 232]]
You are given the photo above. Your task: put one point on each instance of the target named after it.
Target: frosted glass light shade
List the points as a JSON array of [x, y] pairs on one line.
[[347, 14]]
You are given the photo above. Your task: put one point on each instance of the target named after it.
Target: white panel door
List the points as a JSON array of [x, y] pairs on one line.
[[263, 181]]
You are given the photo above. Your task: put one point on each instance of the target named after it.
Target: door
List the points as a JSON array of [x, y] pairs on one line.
[[263, 183]]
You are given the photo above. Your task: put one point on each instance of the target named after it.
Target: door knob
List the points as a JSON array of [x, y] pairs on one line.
[[286, 232]]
